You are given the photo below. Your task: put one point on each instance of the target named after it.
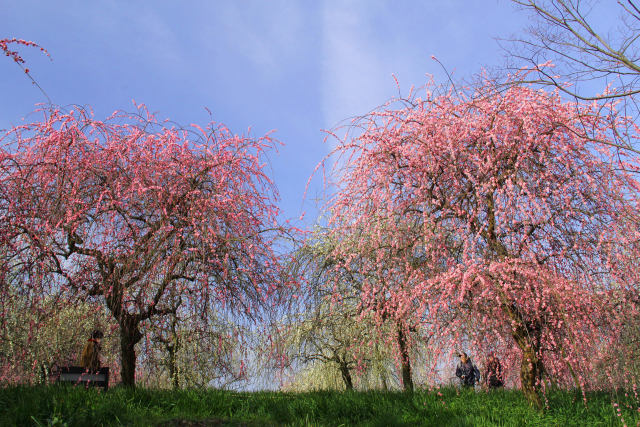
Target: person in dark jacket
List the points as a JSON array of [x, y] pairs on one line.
[[467, 371], [493, 372], [90, 358]]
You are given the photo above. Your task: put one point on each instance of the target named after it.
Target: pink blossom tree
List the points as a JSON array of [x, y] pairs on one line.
[[142, 216], [496, 219]]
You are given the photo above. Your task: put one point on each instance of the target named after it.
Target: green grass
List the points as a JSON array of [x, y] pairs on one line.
[[65, 405]]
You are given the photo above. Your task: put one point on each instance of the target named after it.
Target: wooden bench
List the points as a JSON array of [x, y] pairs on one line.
[[79, 375]]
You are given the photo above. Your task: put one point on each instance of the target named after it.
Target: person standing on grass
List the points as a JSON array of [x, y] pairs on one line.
[[90, 358], [467, 371], [493, 372]]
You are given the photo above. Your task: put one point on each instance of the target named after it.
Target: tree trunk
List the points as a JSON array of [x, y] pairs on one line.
[[405, 361], [173, 354], [44, 373], [531, 377], [383, 379], [346, 375], [129, 332], [129, 336], [173, 369], [531, 368], [526, 333]]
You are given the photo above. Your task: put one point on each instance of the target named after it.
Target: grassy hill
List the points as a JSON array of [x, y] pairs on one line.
[[67, 405]]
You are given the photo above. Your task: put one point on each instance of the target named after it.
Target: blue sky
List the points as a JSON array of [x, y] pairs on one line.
[[295, 67]]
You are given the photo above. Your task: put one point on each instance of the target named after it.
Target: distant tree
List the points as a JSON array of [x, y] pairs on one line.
[[37, 339], [336, 316], [328, 339], [132, 211], [383, 285], [317, 333], [181, 355], [503, 223]]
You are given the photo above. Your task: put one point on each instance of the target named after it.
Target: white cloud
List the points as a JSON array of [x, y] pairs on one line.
[[262, 32], [354, 79], [150, 35]]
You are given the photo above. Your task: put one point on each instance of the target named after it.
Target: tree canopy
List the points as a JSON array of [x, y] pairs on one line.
[[151, 219], [493, 218]]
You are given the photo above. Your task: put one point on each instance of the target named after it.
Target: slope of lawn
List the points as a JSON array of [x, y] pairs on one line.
[[67, 405]]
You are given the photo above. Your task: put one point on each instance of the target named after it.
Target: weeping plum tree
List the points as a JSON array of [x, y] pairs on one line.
[[133, 212], [507, 226]]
